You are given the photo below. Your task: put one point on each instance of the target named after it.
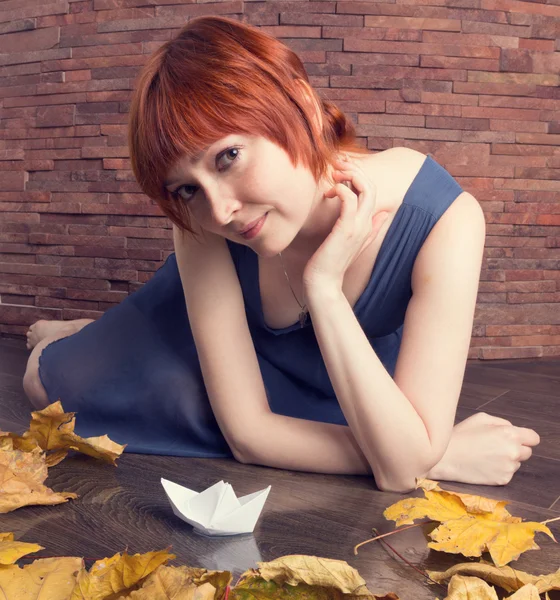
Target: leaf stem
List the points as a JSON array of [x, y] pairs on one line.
[[386, 534], [423, 573], [550, 520]]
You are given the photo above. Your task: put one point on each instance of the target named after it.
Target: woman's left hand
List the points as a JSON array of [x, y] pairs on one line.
[[355, 229]]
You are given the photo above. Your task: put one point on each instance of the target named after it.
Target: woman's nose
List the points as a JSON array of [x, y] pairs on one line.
[[223, 204]]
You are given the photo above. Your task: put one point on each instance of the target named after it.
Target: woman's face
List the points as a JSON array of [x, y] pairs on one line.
[[240, 179]]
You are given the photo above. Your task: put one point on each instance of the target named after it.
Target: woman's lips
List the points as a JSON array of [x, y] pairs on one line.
[[254, 231]]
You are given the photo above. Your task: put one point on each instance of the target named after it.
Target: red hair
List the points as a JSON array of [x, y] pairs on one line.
[[219, 76]]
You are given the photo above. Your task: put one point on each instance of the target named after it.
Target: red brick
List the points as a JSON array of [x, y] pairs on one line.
[[524, 150], [45, 301], [501, 113], [505, 353], [413, 23], [225, 7], [518, 60], [83, 75], [125, 13], [491, 341], [119, 50], [55, 116], [109, 296], [423, 109], [503, 102], [518, 126], [34, 10], [16, 315], [72, 313], [26, 41], [43, 100], [14, 181]]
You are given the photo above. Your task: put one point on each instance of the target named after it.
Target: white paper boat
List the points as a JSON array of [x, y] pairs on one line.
[[216, 510]]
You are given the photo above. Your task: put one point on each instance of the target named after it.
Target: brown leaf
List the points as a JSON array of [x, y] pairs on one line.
[[53, 458], [470, 525], [118, 574], [507, 578], [527, 592], [469, 588], [300, 576], [173, 583], [16, 491], [54, 430], [99, 447], [29, 466], [49, 424], [12, 441]]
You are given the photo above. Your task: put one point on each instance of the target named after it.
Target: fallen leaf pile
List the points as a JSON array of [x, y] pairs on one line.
[[469, 525], [25, 459], [147, 577]]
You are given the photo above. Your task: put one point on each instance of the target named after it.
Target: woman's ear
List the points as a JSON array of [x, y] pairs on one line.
[[309, 99]]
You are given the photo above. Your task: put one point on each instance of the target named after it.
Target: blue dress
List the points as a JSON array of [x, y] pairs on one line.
[[134, 373]]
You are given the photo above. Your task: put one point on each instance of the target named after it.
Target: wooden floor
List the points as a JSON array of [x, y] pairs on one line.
[[321, 515]]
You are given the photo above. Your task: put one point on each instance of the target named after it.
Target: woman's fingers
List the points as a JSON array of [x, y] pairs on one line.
[[528, 437], [357, 179], [348, 201], [525, 453]]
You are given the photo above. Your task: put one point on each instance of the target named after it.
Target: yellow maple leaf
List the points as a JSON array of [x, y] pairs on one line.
[[469, 525], [507, 578], [173, 583], [21, 481], [13, 441], [53, 429], [49, 424], [117, 574], [11, 551], [52, 578]]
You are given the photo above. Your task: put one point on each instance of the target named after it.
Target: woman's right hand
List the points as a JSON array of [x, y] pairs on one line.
[[485, 450]]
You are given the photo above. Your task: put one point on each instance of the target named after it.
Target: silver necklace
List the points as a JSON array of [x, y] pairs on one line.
[[304, 311]]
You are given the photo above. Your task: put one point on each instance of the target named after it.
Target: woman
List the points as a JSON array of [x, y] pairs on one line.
[[317, 312]]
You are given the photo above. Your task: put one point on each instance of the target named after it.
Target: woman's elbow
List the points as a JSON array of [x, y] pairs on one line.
[[242, 452], [395, 485], [401, 482]]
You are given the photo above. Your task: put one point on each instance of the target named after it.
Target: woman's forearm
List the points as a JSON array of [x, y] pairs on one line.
[[302, 445], [388, 429]]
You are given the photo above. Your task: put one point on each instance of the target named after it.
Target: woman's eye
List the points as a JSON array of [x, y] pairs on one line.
[[230, 155]]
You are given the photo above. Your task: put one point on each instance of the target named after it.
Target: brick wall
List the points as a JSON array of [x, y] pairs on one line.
[[474, 83]]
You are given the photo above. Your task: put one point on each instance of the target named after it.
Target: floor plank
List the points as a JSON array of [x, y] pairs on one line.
[[305, 513]]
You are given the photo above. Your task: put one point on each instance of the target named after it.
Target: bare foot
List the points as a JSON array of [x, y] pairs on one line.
[[42, 329]]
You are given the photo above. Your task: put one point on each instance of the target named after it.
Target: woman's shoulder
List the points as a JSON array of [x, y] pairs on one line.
[[393, 171]]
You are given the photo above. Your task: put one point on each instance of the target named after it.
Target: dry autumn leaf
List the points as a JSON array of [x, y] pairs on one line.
[[174, 583], [472, 588], [118, 574], [52, 578], [296, 575], [21, 481], [53, 429], [11, 551], [507, 578], [13, 441], [469, 525]]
